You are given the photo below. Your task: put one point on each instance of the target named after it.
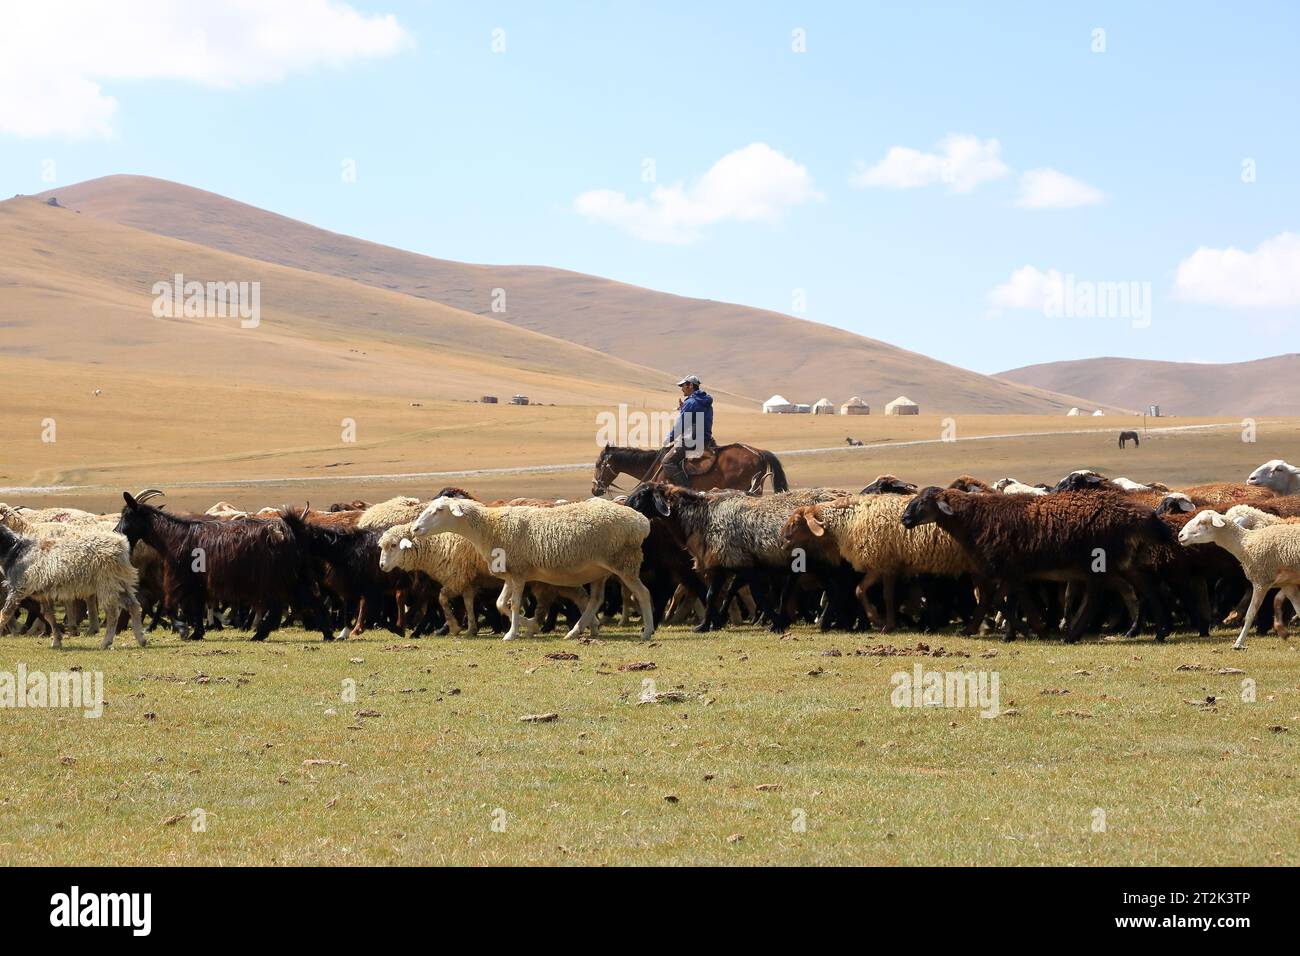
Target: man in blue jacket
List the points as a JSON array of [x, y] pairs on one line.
[[692, 433]]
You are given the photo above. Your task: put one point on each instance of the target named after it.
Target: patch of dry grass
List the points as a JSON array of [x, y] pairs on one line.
[[778, 751]]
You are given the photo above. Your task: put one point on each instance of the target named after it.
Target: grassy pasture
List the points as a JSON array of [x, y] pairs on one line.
[[771, 732]]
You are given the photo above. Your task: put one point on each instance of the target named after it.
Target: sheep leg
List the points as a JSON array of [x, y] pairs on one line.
[[111, 613], [1256, 599], [137, 615], [594, 601], [1012, 613], [868, 581], [708, 623], [308, 600], [890, 582], [1146, 592], [632, 584], [48, 615], [1289, 593], [513, 594], [359, 625], [1082, 616], [9, 609], [449, 612]]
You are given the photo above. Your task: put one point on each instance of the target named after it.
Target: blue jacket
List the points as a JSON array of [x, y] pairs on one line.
[[696, 413]]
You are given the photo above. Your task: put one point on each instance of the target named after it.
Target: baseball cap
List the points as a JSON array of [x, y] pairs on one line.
[[690, 380]]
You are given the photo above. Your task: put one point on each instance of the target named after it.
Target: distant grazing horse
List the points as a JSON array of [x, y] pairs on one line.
[[726, 466], [1127, 437]]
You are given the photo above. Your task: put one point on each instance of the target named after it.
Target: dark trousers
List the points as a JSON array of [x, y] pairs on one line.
[[673, 472]]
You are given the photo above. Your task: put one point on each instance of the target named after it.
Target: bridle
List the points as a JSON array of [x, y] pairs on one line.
[[656, 467]]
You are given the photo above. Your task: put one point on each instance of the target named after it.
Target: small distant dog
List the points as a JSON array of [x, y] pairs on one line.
[[854, 442]]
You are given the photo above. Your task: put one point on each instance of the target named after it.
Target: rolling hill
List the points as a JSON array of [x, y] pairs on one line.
[[746, 352], [1268, 386]]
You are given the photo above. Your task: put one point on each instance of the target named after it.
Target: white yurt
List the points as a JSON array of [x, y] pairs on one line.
[[777, 405], [1073, 413], [802, 409], [1098, 413], [855, 406], [823, 406], [902, 406]]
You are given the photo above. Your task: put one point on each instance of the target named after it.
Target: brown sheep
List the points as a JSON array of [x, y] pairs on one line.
[[1061, 536]]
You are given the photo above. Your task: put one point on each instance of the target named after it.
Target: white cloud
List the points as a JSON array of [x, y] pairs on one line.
[[1051, 189], [1028, 288], [961, 161], [1268, 278], [54, 54], [755, 183]]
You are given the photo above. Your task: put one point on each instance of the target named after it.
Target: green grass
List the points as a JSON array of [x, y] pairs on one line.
[[1179, 784]]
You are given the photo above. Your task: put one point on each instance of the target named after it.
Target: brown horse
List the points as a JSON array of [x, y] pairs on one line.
[[729, 466]]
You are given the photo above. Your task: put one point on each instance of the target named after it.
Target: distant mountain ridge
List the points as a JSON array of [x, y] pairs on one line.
[[1267, 386], [747, 352]]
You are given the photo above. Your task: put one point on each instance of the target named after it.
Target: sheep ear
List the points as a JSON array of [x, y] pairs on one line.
[[814, 525], [1185, 505], [661, 505], [130, 502], [406, 544], [1218, 520], [1242, 522], [944, 506], [1094, 479], [457, 510]]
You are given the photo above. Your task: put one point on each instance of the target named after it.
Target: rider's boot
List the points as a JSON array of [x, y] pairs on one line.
[[674, 474]]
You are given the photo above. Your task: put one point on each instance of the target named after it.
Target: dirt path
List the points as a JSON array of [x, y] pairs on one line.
[[572, 466]]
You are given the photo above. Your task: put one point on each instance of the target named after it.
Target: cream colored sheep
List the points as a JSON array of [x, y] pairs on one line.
[[385, 514], [68, 567], [449, 559], [569, 545], [1269, 556], [867, 532], [1010, 486]]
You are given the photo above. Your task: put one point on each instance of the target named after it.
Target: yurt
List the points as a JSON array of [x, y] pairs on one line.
[[802, 409], [1073, 413], [902, 406], [777, 405], [1098, 413], [823, 406], [855, 406]]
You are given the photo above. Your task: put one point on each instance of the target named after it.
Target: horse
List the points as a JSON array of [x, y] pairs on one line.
[[1129, 436], [725, 466]]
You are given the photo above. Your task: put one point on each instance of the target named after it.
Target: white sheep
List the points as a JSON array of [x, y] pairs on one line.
[[1277, 475], [449, 559], [385, 514], [68, 567], [1269, 556], [52, 515], [1010, 486], [569, 545]]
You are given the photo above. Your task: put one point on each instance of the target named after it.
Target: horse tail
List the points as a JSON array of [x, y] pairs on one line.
[[779, 481]]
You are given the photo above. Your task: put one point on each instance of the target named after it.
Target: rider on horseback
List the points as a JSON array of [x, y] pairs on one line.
[[691, 433]]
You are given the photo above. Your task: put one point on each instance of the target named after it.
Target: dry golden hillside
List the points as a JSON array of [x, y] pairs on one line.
[[746, 351]]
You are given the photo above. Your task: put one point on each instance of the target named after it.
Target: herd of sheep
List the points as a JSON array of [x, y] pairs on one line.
[[1086, 555]]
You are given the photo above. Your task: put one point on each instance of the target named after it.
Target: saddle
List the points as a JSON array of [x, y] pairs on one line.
[[704, 461]]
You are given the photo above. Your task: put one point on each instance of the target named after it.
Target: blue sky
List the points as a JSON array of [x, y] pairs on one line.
[[467, 153]]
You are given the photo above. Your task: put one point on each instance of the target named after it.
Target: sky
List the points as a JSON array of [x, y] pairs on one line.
[[994, 185]]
